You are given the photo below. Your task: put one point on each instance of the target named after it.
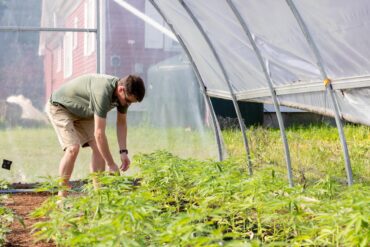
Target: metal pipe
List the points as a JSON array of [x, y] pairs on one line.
[[14, 191], [272, 90], [46, 29], [329, 87], [98, 36], [236, 106], [302, 87], [200, 81]]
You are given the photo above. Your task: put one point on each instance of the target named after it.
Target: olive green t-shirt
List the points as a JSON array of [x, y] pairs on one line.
[[89, 94]]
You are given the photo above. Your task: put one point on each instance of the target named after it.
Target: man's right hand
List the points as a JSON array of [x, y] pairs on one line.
[[113, 168]]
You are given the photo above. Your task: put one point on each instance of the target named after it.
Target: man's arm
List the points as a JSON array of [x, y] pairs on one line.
[[102, 142], [122, 139]]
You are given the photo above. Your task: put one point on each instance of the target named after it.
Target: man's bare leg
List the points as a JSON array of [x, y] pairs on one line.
[[97, 162], [66, 166]]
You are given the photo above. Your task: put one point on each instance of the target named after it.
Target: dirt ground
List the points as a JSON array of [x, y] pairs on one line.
[[23, 204]]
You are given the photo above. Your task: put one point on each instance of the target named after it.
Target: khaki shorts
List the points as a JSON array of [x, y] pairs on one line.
[[70, 128]]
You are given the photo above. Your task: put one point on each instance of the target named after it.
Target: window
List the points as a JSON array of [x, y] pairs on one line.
[[171, 45], [68, 54], [89, 38], [153, 38]]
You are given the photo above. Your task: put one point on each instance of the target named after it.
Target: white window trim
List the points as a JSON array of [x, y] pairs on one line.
[[75, 34], [54, 19], [68, 54]]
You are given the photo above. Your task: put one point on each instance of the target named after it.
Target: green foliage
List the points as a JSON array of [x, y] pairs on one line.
[[185, 202], [51, 185], [6, 215], [6, 218]]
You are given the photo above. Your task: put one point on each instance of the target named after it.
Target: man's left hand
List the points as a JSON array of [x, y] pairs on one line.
[[125, 162]]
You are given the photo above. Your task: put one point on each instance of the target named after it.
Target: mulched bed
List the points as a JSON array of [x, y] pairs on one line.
[[23, 204]]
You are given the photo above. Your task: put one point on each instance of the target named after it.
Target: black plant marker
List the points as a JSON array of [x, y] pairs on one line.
[[6, 164]]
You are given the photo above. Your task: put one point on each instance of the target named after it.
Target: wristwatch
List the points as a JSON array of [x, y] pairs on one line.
[[123, 151]]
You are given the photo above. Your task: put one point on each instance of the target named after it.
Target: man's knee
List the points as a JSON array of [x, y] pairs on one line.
[[73, 150]]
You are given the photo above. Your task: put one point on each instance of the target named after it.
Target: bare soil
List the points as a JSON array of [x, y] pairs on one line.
[[23, 204]]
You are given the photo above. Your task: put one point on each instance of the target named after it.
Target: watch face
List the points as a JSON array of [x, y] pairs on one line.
[[6, 164]]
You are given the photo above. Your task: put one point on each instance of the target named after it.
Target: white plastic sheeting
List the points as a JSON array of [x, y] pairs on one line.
[[339, 30]]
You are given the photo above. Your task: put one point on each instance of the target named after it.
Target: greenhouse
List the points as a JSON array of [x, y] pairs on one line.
[[193, 180]]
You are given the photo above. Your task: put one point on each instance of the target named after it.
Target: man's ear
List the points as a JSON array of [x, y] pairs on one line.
[[120, 88]]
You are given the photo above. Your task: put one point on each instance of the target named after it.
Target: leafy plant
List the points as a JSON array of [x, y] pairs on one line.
[[6, 215], [186, 202]]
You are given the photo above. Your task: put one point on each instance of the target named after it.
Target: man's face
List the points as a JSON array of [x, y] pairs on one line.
[[124, 98]]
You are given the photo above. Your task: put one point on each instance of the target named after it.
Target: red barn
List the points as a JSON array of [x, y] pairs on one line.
[[128, 44]]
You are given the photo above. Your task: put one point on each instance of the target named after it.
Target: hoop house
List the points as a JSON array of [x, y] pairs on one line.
[[303, 54]]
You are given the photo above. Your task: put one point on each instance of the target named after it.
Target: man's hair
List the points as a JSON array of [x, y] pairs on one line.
[[134, 85]]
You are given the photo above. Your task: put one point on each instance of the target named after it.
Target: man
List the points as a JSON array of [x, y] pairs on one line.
[[78, 111]]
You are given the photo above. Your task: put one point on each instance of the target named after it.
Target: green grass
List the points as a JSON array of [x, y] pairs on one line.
[[35, 152], [315, 151]]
